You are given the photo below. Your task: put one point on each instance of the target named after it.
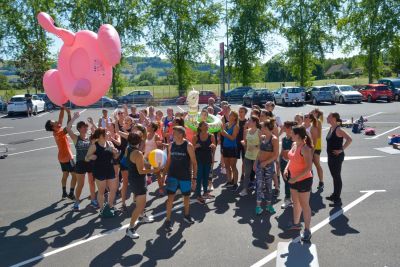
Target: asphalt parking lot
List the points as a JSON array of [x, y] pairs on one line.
[[37, 228]]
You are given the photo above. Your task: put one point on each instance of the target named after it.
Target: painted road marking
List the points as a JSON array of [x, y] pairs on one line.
[[389, 150], [6, 127], [81, 242], [38, 116], [379, 135], [23, 152], [333, 217], [291, 254], [373, 115], [325, 159], [23, 132]]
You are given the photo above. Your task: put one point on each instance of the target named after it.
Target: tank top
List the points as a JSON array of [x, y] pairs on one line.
[[287, 143], [122, 147], [103, 165], [318, 144], [82, 147], [333, 142], [239, 137], [103, 122], [265, 145], [150, 145], [227, 142], [297, 163], [133, 172], [253, 145], [166, 122], [180, 162], [204, 152]]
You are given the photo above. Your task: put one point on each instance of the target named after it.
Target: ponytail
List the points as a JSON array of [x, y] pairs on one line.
[[309, 142]]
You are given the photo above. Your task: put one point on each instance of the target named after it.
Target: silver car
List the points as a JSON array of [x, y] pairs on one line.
[[346, 93], [289, 95]]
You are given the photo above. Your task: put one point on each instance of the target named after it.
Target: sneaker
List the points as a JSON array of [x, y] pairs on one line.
[[234, 187], [124, 208], [210, 187], [75, 207], [94, 203], [243, 193], [64, 195], [208, 196], [251, 186], [161, 192], [320, 186], [270, 209], [201, 200], [146, 219], [306, 235], [331, 198], [71, 196], [168, 226], [286, 203], [294, 227], [336, 203], [130, 232], [276, 193], [258, 210], [188, 219]]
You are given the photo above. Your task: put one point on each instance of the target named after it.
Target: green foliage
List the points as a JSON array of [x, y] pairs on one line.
[[307, 25], [394, 54], [370, 25], [277, 69], [4, 85], [179, 29], [250, 22]]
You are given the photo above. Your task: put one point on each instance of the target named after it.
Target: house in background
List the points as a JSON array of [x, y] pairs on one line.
[[338, 71]]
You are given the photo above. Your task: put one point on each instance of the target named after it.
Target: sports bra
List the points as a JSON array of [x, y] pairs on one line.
[[265, 145]]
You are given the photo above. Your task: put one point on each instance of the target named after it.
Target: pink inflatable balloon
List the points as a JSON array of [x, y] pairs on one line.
[[85, 63]]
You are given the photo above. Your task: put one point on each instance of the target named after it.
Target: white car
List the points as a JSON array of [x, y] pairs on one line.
[[17, 104], [346, 93], [289, 95]]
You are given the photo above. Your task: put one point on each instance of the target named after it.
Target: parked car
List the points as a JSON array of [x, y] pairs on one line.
[[105, 102], [257, 97], [137, 97], [318, 94], [3, 105], [394, 85], [50, 105], [346, 93], [17, 104], [237, 93], [373, 92], [289, 95], [203, 97]]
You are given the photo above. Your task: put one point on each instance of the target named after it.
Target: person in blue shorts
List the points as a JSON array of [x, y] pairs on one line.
[[180, 157]]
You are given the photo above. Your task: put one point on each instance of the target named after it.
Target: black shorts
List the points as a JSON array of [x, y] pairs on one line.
[[317, 151], [83, 167], [240, 151], [230, 152], [68, 166], [137, 185], [302, 186]]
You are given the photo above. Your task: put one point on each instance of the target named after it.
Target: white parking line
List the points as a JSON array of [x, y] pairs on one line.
[[379, 135], [6, 128], [81, 242], [23, 132], [23, 152], [346, 158], [44, 113], [372, 115], [334, 216]]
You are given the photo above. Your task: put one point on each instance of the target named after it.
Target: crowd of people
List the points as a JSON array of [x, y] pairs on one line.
[[113, 153]]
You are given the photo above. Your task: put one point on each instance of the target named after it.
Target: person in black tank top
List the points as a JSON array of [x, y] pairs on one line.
[[102, 152], [181, 156], [137, 180], [335, 150], [204, 144], [242, 127]]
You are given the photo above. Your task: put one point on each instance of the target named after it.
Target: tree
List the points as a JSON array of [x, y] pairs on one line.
[[250, 22], [4, 85], [24, 40], [394, 54], [307, 25], [179, 29], [126, 16], [370, 25], [277, 69]]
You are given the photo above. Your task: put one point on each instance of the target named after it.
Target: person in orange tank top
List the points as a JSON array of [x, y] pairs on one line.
[[65, 156], [299, 176]]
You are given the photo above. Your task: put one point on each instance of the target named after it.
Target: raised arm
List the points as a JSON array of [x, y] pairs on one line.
[[90, 154], [61, 116], [71, 133]]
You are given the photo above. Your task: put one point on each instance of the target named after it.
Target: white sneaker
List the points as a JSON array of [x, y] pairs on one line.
[[287, 203], [146, 219], [132, 233], [243, 193], [210, 187]]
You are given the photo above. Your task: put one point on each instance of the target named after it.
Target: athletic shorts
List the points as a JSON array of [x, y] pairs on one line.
[[68, 166], [172, 185], [29, 105], [138, 186], [302, 186], [317, 151], [240, 151], [83, 167], [230, 152]]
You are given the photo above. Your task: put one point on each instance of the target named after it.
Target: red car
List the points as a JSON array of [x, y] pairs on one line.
[[373, 92], [203, 98]]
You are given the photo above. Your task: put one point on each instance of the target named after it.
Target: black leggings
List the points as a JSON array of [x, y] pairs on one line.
[[335, 167]]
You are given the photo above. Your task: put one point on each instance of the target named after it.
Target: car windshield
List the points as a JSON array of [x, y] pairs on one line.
[[381, 88], [294, 90], [396, 84], [346, 88], [325, 89], [18, 99]]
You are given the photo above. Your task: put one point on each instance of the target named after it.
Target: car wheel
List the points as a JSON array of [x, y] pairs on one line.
[[9, 114], [333, 102], [50, 106], [314, 101], [358, 102], [283, 102], [396, 97], [389, 100], [369, 99], [341, 100]]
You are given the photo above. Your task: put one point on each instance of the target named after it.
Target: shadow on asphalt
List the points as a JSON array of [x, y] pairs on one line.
[[298, 255], [341, 224]]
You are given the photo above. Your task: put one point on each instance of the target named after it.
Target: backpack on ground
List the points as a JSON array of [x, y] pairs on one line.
[[369, 131]]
